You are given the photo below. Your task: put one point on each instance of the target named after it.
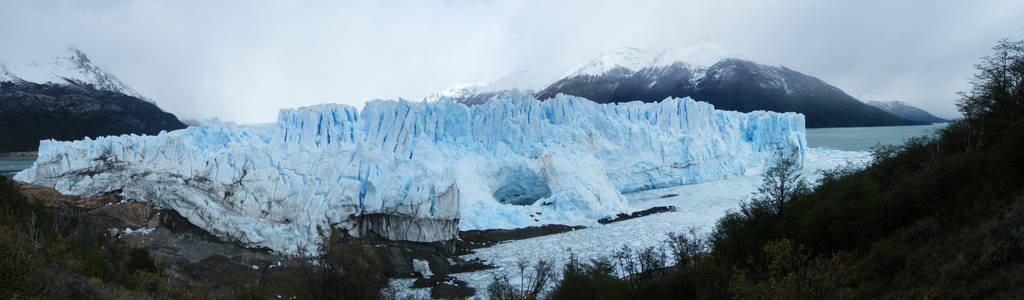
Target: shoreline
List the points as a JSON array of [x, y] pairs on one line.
[[19, 154]]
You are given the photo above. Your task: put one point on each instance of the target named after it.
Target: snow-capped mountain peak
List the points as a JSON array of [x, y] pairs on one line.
[[886, 105], [627, 57], [703, 53], [523, 81], [6, 75], [458, 90], [74, 68]]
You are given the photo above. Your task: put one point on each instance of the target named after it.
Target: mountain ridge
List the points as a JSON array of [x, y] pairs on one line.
[[906, 111], [630, 74]]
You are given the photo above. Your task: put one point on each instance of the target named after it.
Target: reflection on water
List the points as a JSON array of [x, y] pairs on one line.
[[863, 138]]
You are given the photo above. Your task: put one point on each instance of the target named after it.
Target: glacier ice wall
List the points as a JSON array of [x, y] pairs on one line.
[[422, 170]]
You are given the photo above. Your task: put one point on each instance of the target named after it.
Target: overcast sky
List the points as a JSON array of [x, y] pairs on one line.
[[242, 63]]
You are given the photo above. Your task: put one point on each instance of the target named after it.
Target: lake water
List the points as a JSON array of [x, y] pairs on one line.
[[863, 138], [11, 165]]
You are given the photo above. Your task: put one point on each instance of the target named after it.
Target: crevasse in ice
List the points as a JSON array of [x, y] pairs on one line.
[[438, 166]]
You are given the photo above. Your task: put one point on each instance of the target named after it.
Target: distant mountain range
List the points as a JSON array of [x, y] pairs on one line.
[[69, 98], [704, 72], [903, 110]]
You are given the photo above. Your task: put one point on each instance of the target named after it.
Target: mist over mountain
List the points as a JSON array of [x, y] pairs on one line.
[[525, 82], [906, 111]]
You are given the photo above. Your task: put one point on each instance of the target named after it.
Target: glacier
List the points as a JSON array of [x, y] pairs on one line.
[[419, 171]]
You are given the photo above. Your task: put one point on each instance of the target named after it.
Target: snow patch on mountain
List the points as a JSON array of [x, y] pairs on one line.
[[770, 77], [702, 54], [7, 76], [74, 68], [888, 106], [519, 81], [525, 82], [419, 171], [458, 90], [905, 110]]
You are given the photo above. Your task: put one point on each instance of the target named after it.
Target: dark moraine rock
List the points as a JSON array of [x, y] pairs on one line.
[[646, 212], [475, 239]]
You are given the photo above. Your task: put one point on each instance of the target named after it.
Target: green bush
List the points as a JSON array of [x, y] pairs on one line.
[[345, 269], [14, 261], [140, 260], [768, 215], [790, 273], [149, 281], [31, 235], [594, 280]]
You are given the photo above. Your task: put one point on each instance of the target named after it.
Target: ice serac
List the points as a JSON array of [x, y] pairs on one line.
[[419, 171]]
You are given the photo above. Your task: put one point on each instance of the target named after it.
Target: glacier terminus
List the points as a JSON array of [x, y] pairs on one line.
[[419, 171]]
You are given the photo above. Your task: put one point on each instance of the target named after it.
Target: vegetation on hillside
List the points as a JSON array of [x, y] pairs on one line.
[[346, 269], [939, 216], [57, 257]]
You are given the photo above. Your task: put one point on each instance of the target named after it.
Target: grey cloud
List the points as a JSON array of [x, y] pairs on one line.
[[242, 63]]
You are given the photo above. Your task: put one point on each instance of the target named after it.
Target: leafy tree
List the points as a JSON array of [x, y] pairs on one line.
[[739, 234], [594, 280], [791, 273], [781, 183], [997, 94], [532, 283]]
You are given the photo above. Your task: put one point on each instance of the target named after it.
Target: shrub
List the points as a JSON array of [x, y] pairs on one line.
[[532, 283], [686, 248], [149, 281], [14, 261], [90, 262], [780, 184], [997, 94], [140, 260], [738, 235], [345, 270], [790, 273], [644, 273], [594, 280]]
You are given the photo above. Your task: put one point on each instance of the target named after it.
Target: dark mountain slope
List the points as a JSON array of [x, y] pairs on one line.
[[31, 112], [731, 84]]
